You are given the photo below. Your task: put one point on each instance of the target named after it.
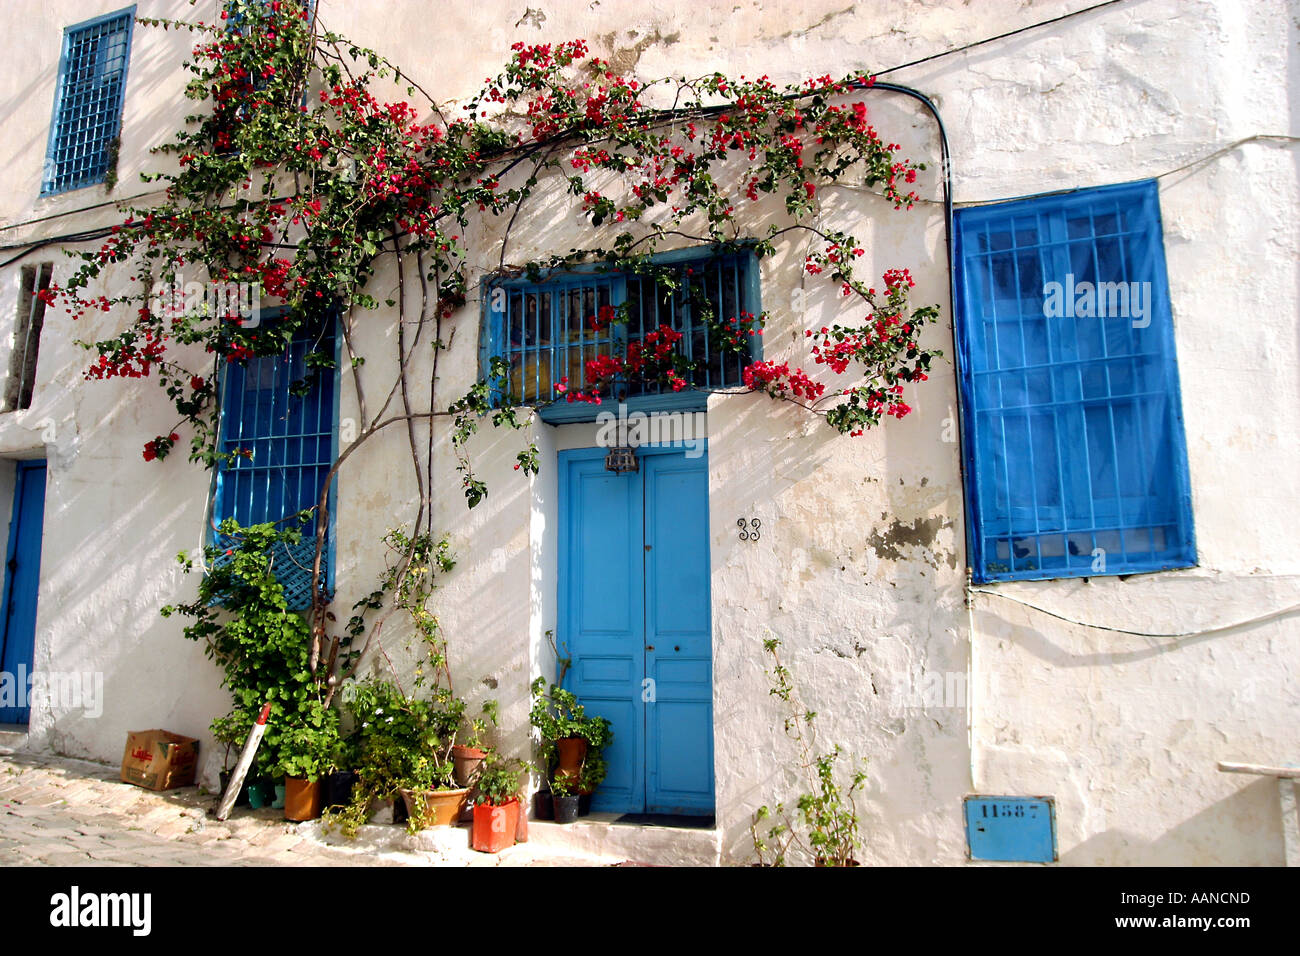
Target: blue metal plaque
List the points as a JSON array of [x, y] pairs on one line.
[[1011, 829]]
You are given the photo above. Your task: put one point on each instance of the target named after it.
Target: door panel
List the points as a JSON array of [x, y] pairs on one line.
[[679, 635], [26, 524], [601, 615], [634, 604]]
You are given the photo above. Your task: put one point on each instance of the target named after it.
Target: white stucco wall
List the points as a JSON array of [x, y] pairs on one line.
[[860, 570]]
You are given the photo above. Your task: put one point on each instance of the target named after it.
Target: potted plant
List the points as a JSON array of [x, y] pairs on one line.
[[467, 760], [447, 800], [306, 750], [544, 801], [496, 805], [468, 756], [569, 738], [226, 732], [260, 782], [566, 800], [243, 621], [404, 750], [339, 777]]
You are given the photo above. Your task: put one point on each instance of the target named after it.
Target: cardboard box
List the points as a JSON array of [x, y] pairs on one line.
[[159, 759]]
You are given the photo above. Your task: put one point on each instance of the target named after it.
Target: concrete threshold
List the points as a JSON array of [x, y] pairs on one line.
[[598, 833]]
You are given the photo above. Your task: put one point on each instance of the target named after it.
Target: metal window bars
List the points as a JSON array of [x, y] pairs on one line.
[[1074, 421], [88, 103], [283, 445], [545, 330]]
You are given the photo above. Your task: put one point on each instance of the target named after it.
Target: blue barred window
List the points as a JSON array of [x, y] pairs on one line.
[[281, 414], [1072, 420], [543, 329], [88, 102]]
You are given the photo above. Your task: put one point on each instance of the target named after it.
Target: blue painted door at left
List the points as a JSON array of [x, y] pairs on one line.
[[26, 525], [635, 622]]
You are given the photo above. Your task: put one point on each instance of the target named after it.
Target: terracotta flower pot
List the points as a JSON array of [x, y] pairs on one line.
[[521, 825], [467, 761], [494, 826], [440, 807], [302, 798], [572, 750]]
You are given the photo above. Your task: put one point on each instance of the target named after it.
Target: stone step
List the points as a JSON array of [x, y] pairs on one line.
[[599, 835], [13, 737], [596, 837]]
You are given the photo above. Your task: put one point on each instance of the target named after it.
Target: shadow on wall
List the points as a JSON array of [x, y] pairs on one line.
[[1212, 837]]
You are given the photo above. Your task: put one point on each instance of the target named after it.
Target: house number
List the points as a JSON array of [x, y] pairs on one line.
[[748, 529]]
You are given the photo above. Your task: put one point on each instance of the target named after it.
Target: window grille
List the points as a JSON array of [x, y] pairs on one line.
[[279, 421], [544, 330], [1073, 430], [88, 102]]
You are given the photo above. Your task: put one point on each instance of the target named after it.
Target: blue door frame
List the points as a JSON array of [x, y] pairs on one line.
[[22, 581], [634, 617]]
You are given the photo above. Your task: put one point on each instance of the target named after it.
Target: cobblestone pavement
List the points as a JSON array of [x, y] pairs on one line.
[[57, 811]]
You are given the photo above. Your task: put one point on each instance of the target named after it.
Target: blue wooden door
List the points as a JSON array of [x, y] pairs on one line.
[[601, 616], [679, 635], [634, 618], [22, 578]]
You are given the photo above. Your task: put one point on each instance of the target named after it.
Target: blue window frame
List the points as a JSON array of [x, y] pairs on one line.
[[1072, 421], [88, 102], [286, 415], [543, 329]]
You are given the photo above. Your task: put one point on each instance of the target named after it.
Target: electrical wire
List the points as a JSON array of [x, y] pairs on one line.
[[1280, 612], [1000, 36], [90, 235], [80, 209], [1201, 161], [892, 69]]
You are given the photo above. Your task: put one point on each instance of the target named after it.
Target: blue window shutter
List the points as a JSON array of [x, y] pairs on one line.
[[1072, 419], [88, 102], [542, 329], [293, 441]]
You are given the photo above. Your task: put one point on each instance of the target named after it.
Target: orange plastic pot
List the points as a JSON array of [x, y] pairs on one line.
[[495, 826], [572, 752], [302, 799], [440, 807]]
